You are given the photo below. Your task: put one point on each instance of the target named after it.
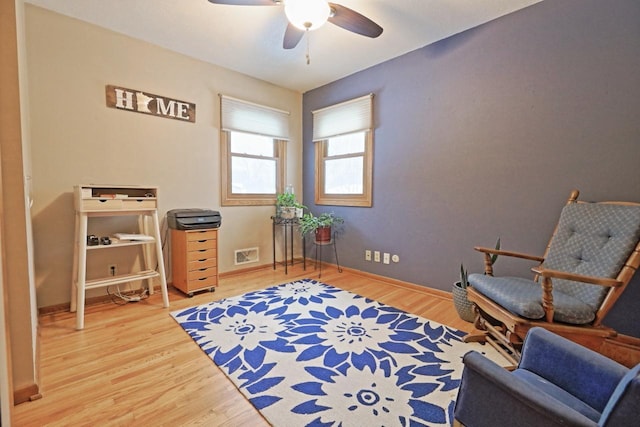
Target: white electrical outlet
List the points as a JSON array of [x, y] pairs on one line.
[[386, 258], [367, 255], [376, 256]]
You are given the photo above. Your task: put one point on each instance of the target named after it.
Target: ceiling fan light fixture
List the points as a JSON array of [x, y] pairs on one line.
[[307, 14]]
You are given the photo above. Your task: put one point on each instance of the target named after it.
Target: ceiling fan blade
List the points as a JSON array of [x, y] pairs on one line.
[[352, 21], [292, 36], [245, 2]]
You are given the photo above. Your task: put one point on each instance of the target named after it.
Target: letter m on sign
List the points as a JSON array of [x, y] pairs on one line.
[[166, 110]]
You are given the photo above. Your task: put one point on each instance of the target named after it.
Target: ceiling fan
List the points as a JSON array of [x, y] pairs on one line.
[[307, 15]]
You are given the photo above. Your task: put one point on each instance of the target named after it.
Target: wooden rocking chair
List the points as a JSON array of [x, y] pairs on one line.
[[590, 259]]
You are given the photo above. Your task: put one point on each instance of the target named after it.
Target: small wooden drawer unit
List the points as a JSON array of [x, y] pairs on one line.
[[194, 259], [96, 198]]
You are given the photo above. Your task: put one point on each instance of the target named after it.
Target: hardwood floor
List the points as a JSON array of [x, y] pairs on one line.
[[133, 365]]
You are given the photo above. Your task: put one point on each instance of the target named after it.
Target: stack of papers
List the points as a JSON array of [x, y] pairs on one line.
[[131, 236]]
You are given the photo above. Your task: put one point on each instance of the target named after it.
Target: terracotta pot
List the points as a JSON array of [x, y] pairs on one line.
[[464, 307], [323, 234]]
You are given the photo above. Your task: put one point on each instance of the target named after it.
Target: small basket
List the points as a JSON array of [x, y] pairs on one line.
[[464, 307]]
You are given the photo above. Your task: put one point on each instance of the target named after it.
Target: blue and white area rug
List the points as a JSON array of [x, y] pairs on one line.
[[308, 354]]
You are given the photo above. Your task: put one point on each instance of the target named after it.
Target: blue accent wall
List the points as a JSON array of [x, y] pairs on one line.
[[484, 134]]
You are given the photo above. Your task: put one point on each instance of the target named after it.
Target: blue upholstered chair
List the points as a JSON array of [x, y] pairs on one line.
[[591, 257], [557, 383]]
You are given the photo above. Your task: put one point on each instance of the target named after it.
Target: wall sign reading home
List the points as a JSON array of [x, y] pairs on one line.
[[148, 103]]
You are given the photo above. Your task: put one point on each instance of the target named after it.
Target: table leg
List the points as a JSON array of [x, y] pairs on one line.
[[76, 252], [291, 241], [320, 274], [335, 250], [286, 262], [160, 257], [82, 272]]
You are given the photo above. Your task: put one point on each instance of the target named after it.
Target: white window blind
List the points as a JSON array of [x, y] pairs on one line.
[[244, 116], [347, 117]]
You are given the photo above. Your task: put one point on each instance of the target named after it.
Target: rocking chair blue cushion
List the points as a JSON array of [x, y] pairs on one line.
[[591, 240], [557, 382], [524, 297]]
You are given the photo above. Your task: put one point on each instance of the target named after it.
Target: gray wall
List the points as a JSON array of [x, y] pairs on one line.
[[485, 134]]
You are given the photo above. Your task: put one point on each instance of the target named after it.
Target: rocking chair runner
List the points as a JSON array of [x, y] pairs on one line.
[[591, 257]]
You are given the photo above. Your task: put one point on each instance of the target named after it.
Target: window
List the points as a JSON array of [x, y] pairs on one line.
[[344, 153], [252, 172], [252, 152]]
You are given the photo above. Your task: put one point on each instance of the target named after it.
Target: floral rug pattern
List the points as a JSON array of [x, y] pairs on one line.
[[308, 354]]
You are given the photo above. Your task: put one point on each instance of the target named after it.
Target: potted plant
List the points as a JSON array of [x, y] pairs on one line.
[[287, 206], [321, 225], [463, 306]]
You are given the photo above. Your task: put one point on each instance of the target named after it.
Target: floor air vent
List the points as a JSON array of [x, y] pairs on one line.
[[245, 256]]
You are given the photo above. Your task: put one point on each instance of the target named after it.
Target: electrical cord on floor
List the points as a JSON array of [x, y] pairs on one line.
[[119, 298], [115, 299]]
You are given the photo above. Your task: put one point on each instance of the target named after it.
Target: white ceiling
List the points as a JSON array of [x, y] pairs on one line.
[[248, 39]]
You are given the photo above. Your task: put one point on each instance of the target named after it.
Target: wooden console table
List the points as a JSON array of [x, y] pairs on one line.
[[112, 200]]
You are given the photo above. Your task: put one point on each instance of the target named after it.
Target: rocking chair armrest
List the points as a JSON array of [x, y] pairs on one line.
[[556, 274], [571, 366], [493, 251], [489, 395]]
